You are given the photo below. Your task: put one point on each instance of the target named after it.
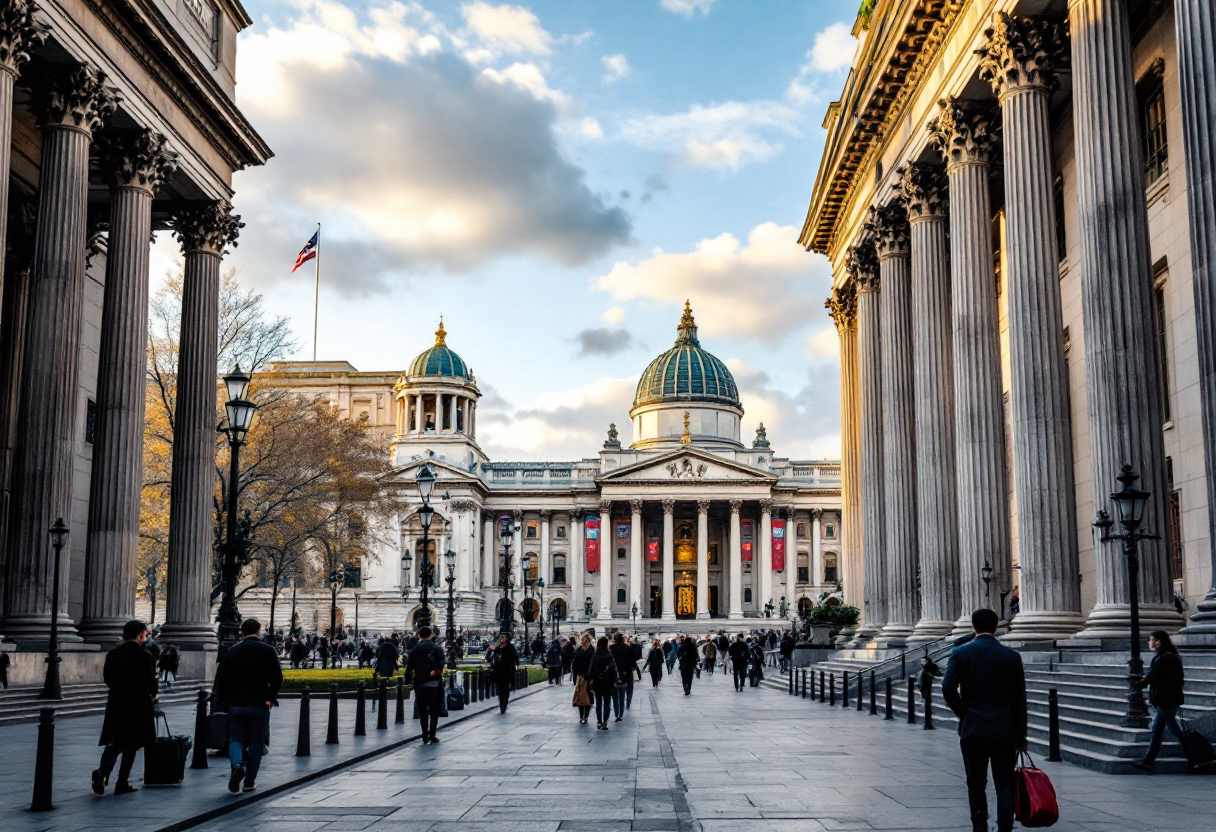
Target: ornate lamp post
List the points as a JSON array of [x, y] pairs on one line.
[[540, 621], [407, 560], [239, 416], [335, 583], [426, 570], [987, 576], [356, 619], [450, 636], [51, 689], [150, 582], [1130, 503], [785, 608], [555, 617], [505, 535], [526, 563]]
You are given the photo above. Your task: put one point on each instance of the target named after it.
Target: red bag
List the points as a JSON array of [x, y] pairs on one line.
[[1034, 799]]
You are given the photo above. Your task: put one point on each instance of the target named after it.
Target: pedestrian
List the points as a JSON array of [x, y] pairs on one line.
[[129, 725], [298, 654], [553, 661], [602, 672], [387, 659], [710, 651], [654, 663], [1164, 680], [669, 650], [689, 659], [622, 654], [985, 686], [739, 656], [424, 667], [567, 655], [1015, 603], [756, 673], [580, 668], [929, 670], [787, 651], [366, 654], [4, 665], [169, 661], [504, 662], [247, 684]]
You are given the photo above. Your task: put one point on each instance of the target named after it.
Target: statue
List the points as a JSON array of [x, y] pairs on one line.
[[761, 438], [686, 439], [614, 438]]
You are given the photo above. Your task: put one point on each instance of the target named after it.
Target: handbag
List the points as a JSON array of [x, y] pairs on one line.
[[582, 699], [1034, 798], [1195, 746]]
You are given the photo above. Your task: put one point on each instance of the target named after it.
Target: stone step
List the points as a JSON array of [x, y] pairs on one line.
[[22, 706]]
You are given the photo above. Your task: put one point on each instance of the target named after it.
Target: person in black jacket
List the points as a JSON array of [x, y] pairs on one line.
[[985, 686], [247, 686], [689, 658], [580, 668], [739, 656], [626, 666], [130, 674], [1164, 681], [503, 663], [602, 672], [654, 663], [553, 661], [424, 667]]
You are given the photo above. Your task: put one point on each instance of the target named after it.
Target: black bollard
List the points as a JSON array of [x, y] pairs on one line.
[[790, 684], [860, 678], [199, 758], [911, 700], [929, 708], [303, 738], [382, 714], [844, 689], [890, 715], [44, 762], [822, 694], [804, 682], [873, 696], [832, 689], [1053, 726], [331, 734], [399, 719], [361, 710]]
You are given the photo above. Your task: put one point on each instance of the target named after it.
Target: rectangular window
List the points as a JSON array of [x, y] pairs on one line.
[[829, 530], [621, 554], [90, 420], [1057, 196], [804, 575], [1174, 508], [559, 569], [561, 532], [1163, 354], [802, 531], [531, 527], [1150, 96]]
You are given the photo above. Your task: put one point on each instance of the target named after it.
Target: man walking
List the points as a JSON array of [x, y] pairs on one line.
[[503, 663], [386, 659], [710, 652], [688, 657], [985, 686], [424, 667], [130, 674], [247, 685], [739, 655]]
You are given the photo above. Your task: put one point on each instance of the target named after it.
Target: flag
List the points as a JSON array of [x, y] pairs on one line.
[[308, 252]]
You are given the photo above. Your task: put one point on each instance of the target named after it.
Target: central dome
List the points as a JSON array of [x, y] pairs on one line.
[[686, 373], [439, 360]]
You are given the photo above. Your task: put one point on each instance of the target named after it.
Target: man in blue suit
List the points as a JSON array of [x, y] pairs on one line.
[[985, 686]]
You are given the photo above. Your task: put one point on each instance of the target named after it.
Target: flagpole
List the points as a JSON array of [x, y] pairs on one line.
[[316, 294]]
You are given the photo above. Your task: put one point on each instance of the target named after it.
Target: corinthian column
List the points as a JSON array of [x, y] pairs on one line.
[[736, 562], [766, 554], [545, 572], [636, 593], [924, 188], [70, 103], [1019, 61], [702, 558], [135, 165], [669, 564], [607, 560], [1122, 379], [843, 307], [863, 265], [964, 134], [1195, 21], [203, 232]]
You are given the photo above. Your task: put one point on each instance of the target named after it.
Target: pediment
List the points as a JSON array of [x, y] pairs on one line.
[[448, 474], [688, 465]]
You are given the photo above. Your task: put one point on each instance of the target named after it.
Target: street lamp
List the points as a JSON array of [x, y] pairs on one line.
[[239, 412], [1130, 503], [634, 613], [426, 570], [540, 624], [785, 608], [526, 563], [450, 641], [335, 583], [987, 576], [150, 579], [51, 689], [505, 536], [356, 619]]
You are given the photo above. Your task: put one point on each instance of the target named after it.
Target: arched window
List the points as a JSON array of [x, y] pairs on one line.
[[804, 606], [621, 594], [534, 566], [559, 569], [529, 609]]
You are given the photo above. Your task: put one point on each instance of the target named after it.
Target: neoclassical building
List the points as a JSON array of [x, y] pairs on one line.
[[1017, 201], [686, 521]]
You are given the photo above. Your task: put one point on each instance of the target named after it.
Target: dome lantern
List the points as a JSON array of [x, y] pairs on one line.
[[687, 372]]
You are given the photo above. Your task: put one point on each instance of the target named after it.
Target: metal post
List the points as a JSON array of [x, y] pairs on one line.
[[303, 738], [1053, 726], [44, 762], [399, 719], [890, 715], [822, 692], [832, 689], [382, 714], [331, 735], [911, 700], [360, 710], [804, 682], [51, 688], [860, 679], [873, 695], [199, 759], [844, 689], [903, 664], [790, 683], [929, 707]]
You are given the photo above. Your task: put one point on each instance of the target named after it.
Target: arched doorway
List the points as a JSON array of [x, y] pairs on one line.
[[417, 615], [557, 609], [502, 609], [804, 606]]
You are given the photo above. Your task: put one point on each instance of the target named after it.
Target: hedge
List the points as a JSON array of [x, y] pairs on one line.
[[348, 678]]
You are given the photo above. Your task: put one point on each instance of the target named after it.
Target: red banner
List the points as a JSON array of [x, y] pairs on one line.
[[779, 545], [746, 536], [591, 536], [652, 550]]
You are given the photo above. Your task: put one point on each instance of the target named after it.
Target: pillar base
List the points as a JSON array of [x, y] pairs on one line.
[[36, 629], [669, 616], [183, 633], [927, 631], [104, 631], [702, 616], [894, 635], [735, 615], [603, 615], [1203, 620], [1029, 626], [1108, 621]]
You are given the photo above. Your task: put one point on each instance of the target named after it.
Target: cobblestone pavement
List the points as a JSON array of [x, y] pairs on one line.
[[717, 761]]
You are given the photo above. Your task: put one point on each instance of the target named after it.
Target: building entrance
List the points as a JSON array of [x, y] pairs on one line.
[[686, 602]]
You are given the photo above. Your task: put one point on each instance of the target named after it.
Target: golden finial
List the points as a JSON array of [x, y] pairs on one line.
[[686, 439], [688, 327], [441, 334]]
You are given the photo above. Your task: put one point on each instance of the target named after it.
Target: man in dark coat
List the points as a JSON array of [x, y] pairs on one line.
[[739, 657], [985, 686], [130, 674], [424, 667], [503, 663], [247, 686], [387, 658], [688, 657]]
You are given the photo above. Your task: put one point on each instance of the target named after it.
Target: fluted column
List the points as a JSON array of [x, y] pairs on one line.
[[517, 551], [203, 232], [736, 562], [863, 266], [791, 571], [843, 306], [135, 165], [637, 594], [19, 32], [890, 225], [575, 564], [545, 573], [1195, 22], [702, 558], [924, 188], [669, 561], [766, 553], [815, 572], [964, 134], [1122, 377], [70, 104], [489, 555], [607, 560], [1019, 62]]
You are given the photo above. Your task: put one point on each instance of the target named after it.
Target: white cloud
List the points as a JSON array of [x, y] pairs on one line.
[[616, 67], [589, 128], [511, 30], [823, 344], [831, 51], [687, 7], [763, 289], [559, 425], [613, 315], [804, 423], [529, 77], [723, 136]]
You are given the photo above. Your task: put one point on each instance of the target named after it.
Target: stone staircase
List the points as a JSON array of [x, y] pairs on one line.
[[21, 705]]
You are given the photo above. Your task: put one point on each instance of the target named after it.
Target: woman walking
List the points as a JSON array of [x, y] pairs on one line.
[[626, 666], [580, 670], [1164, 681], [655, 661], [603, 681]]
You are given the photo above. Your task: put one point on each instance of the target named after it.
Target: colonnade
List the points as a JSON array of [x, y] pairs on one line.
[[420, 413]]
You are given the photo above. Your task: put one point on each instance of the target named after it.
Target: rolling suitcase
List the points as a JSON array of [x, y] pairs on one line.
[[165, 759], [217, 731], [1199, 752], [455, 699]]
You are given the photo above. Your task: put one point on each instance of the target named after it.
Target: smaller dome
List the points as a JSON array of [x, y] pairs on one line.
[[439, 360]]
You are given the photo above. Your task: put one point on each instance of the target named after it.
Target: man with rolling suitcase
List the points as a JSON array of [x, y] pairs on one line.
[[247, 685], [424, 667], [130, 674]]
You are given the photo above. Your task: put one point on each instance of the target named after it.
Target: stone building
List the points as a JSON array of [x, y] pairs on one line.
[[116, 119], [1016, 197], [685, 522]]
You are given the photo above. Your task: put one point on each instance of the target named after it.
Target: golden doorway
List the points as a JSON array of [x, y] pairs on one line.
[[686, 602]]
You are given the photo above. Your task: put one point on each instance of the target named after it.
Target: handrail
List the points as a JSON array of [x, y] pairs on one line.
[[902, 657]]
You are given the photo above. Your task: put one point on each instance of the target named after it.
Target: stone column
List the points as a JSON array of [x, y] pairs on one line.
[[489, 553], [203, 232], [766, 554], [517, 550], [924, 189], [19, 32], [890, 226], [816, 570], [843, 306], [135, 165], [1122, 379], [863, 266], [575, 565], [70, 104], [1195, 20], [791, 569], [545, 572], [607, 561], [419, 419], [702, 558], [736, 562], [462, 522], [637, 594], [964, 134], [669, 561], [1019, 62]]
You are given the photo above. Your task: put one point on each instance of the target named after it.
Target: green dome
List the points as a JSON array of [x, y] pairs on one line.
[[439, 360], [687, 373]]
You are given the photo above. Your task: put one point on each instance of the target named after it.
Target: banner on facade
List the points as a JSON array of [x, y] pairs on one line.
[[591, 539], [622, 530], [746, 530], [779, 545], [652, 550]]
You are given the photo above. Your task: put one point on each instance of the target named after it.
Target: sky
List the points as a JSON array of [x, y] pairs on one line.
[[555, 179]]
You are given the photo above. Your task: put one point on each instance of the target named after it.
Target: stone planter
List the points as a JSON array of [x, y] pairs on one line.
[[807, 656]]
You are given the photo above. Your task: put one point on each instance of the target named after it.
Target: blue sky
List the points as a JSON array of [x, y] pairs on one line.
[[555, 178]]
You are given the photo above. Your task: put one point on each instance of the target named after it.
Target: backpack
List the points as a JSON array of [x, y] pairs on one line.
[[608, 673]]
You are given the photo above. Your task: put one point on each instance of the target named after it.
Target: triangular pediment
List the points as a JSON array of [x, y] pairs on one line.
[[448, 473], [687, 465]]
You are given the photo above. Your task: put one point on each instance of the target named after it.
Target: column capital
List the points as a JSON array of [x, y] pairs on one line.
[[577, 514], [816, 513], [463, 505], [703, 506], [1022, 53], [965, 132], [735, 505], [135, 158], [545, 514], [842, 306], [487, 515], [889, 226], [517, 514], [20, 31], [669, 506], [766, 506], [924, 190], [606, 506], [72, 97], [862, 264], [635, 506], [209, 226]]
